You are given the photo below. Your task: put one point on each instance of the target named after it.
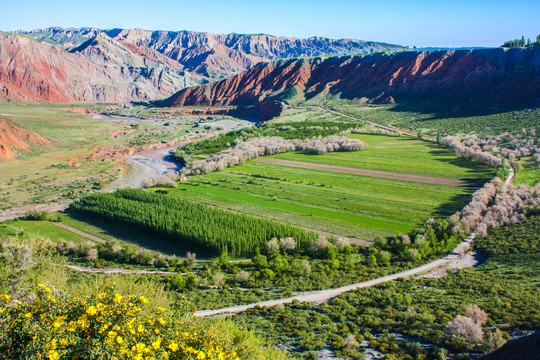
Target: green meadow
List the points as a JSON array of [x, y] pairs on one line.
[[344, 204]]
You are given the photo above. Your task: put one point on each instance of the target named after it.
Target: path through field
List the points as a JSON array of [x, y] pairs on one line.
[[117, 270], [79, 232], [364, 172], [370, 123], [321, 296]]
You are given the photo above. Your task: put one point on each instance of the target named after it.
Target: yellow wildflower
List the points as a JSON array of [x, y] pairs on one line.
[[6, 298], [117, 298], [41, 285], [101, 296], [140, 328], [143, 300], [201, 355], [161, 309], [165, 355], [112, 334], [57, 324], [64, 342], [119, 340], [28, 315], [156, 344], [91, 310], [71, 326], [139, 347], [54, 342], [173, 346], [161, 321], [53, 355]]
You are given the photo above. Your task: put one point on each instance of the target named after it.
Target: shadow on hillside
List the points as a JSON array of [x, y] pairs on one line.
[[456, 109], [133, 236]]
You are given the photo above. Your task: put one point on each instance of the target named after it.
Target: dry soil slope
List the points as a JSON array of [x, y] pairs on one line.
[[13, 137]]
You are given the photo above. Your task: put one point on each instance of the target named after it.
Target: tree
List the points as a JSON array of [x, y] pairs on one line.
[[465, 327]]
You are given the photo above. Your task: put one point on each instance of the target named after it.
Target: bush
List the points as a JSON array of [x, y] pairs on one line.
[[107, 326]]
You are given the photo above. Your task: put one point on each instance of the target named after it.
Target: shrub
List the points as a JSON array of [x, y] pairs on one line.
[[107, 326]]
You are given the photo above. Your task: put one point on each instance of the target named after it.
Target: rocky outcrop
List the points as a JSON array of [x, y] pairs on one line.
[[505, 76], [99, 69], [216, 55], [13, 137]]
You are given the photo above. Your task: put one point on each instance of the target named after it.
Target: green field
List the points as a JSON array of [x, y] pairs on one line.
[[344, 204], [41, 228], [453, 118], [528, 177], [402, 154]]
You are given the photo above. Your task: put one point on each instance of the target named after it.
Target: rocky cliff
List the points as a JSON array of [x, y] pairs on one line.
[[215, 55], [99, 69], [506, 76]]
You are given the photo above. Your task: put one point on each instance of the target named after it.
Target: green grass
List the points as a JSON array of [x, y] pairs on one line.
[[527, 176], [344, 204], [43, 174], [454, 118], [42, 228], [123, 234], [401, 155]]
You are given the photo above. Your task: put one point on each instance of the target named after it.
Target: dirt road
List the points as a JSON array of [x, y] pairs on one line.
[[364, 172], [116, 270], [370, 123], [79, 232], [321, 296]]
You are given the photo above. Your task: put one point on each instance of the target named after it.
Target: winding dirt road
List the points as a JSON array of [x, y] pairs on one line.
[[322, 296], [369, 122]]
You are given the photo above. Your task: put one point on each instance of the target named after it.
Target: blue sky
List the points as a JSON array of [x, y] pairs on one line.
[[438, 23]]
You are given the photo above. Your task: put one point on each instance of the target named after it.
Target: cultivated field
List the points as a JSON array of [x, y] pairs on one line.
[[346, 204]]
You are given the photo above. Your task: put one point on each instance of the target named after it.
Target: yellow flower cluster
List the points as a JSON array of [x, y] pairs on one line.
[[54, 327]]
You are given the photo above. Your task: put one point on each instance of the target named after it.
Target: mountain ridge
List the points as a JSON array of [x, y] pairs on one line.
[[508, 76], [216, 55]]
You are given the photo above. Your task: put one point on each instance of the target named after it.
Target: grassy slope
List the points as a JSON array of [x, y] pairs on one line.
[[454, 118], [345, 204], [505, 286], [42, 228], [43, 175]]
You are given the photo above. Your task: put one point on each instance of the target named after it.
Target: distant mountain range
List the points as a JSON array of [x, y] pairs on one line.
[[89, 65], [505, 76]]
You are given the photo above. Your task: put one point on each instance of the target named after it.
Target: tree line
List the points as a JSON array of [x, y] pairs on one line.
[[196, 225]]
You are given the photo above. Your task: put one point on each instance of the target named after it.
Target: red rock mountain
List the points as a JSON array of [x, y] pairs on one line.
[[214, 55], [100, 69], [13, 138], [507, 76]]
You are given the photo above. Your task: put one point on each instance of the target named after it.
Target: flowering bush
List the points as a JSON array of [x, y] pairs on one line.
[[106, 326]]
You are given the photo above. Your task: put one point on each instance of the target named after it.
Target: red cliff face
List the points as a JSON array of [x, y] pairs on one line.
[[507, 76], [13, 137], [99, 70]]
